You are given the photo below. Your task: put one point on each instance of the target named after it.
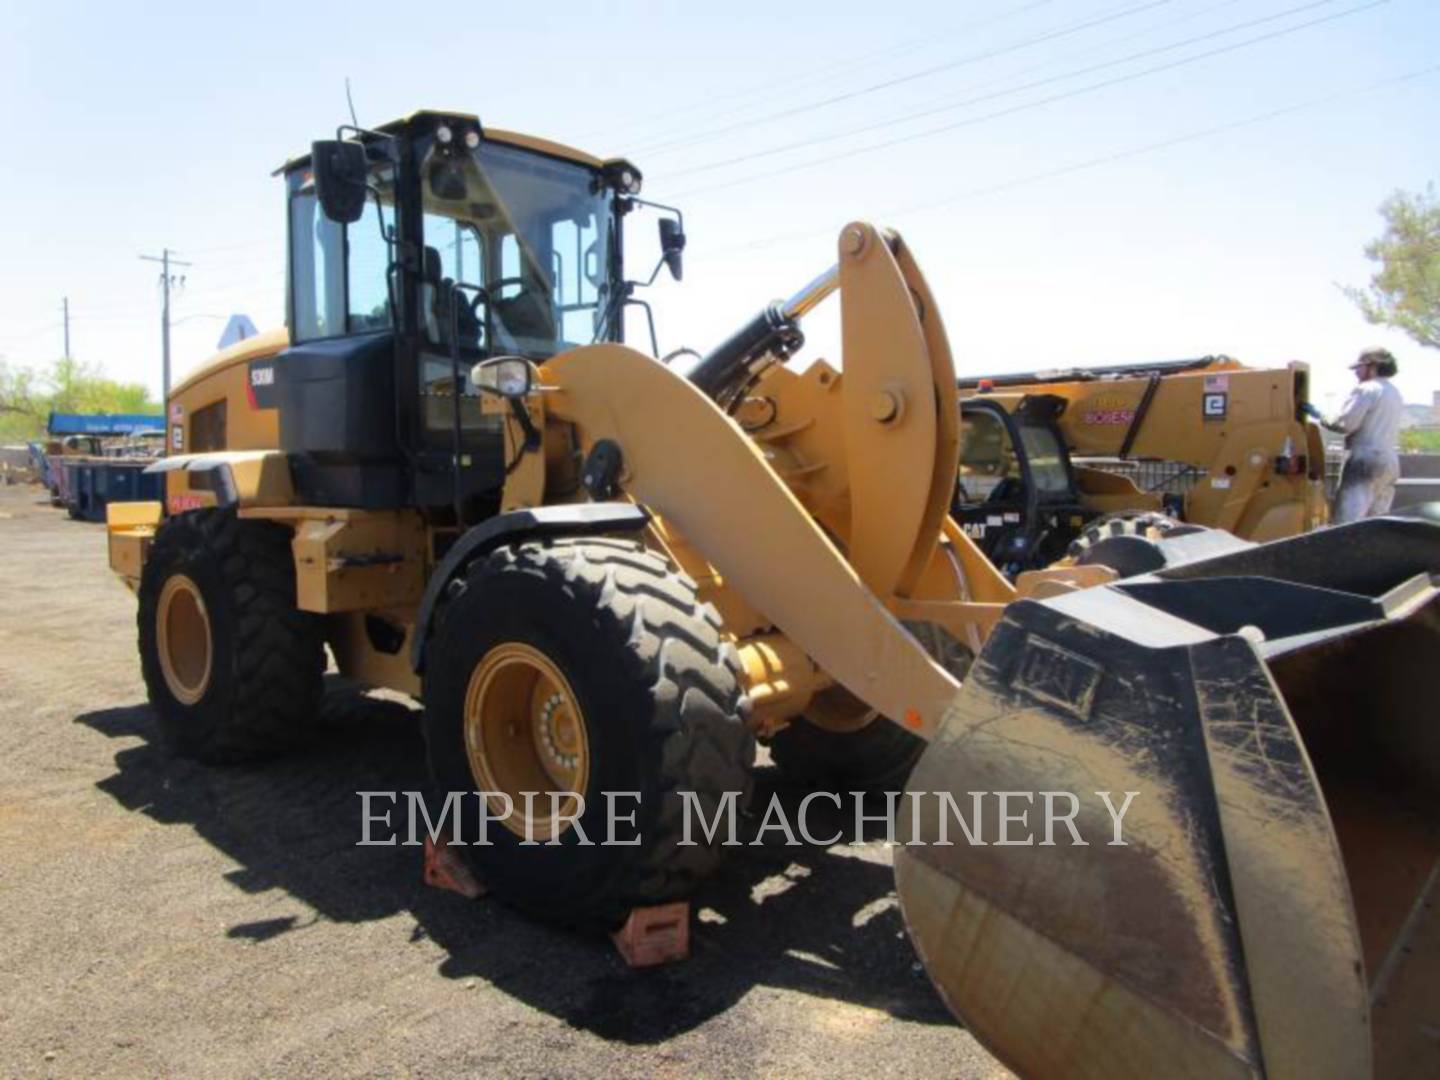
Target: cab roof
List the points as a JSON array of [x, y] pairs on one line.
[[512, 138]]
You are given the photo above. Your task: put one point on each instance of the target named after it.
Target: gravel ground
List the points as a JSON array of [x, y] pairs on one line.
[[160, 917]]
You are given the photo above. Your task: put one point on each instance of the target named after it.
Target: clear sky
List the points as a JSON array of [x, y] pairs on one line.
[[1082, 180]]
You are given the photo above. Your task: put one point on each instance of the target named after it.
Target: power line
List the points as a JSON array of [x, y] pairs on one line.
[[844, 67], [1105, 159], [198, 315], [952, 104], [220, 248], [267, 283], [129, 312], [133, 315], [29, 334], [974, 58], [256, 245], [1026, 106]]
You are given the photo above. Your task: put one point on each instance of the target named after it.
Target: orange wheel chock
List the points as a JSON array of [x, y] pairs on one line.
[[655, 935], [445, 870]]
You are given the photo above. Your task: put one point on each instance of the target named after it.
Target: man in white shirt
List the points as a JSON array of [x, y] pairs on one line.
[[1370, 422]]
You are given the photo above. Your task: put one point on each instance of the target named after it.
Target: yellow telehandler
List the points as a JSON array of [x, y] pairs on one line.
[[604, 577], [1054, 464]]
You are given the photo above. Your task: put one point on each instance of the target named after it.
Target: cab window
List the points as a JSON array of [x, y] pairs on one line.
[[1046, 458], [986, 457], [341, 278]]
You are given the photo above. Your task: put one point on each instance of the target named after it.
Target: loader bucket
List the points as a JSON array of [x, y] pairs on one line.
[[1271, 907]]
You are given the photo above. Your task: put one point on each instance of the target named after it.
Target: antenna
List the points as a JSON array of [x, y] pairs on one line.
[[351, 102]]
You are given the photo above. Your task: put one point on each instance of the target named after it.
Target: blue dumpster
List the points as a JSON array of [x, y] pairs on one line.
[[91, 484]]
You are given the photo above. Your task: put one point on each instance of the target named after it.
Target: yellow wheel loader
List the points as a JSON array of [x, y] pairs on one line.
[[607, 578], [1212, 442]]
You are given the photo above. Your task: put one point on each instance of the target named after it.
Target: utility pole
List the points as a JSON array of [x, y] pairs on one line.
[[65, 311], [166, 260]]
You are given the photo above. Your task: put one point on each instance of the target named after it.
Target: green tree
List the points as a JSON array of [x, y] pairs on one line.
[[69, 380], [27, 397], [1405, 291], [21, 405]]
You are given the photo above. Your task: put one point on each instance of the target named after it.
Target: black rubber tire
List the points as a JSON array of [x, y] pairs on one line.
[[1127, 542], [664, 712], [1125, 523], [877, 757], [268, 657]]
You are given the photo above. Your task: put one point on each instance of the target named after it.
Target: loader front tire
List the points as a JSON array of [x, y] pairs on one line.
[[876, 757], [585, 666], [843, 756], [233, 669]]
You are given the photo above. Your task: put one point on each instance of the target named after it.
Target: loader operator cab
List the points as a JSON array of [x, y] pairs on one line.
[[416, 251], [1016, 495]]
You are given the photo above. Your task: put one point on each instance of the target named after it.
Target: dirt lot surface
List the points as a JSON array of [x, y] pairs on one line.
[[160, 917]]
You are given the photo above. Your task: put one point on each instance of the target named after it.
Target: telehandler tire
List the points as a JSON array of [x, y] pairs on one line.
[[1125, 541], [585, 666], [233, 670], [1142, 523]]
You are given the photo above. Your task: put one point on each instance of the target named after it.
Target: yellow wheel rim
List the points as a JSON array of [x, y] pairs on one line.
[[525, 732], [182, 634]]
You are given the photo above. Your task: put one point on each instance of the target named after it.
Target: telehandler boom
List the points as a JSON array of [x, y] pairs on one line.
[[602, 576]]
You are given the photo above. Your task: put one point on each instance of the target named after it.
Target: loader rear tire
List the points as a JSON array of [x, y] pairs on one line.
[[233, 669], [587, 663]]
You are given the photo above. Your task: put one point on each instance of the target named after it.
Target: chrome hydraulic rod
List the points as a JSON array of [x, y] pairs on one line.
[[775, 331]]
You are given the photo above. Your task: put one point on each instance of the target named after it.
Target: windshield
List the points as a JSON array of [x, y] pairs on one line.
[[531, 234]]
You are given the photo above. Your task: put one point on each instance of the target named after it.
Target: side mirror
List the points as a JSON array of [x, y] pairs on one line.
[[672, 247], [505, 376], [340, 174]]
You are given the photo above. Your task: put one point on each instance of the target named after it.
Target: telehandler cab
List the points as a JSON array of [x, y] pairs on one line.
[[602, 576]]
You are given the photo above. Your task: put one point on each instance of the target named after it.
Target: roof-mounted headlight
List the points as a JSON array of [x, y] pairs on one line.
[[444, 134]]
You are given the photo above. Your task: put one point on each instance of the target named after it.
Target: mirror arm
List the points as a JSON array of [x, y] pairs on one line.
[[384, 140], [680, 217], [522, 417], [649, 318], [654, 273]]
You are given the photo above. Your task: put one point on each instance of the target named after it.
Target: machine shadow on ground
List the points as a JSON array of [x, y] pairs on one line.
[[818, 920]]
